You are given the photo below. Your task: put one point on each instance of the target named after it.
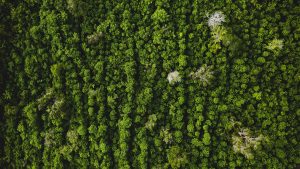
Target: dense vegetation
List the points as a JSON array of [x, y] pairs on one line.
[[150, 84]]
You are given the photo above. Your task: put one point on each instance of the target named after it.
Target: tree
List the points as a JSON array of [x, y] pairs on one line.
[[220, 34], [216, 19], [174, 77], [77, 7], [151, 122], [94, 38], [166, 135], [206, 139], [160, 15], [275, 45], [204, 74], [177, 158], [244, 143]]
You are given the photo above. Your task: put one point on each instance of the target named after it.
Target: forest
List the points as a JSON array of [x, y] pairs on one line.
[[150, 84]]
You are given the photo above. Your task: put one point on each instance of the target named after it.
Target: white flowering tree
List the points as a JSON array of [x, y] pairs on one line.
[[216, 19], [244, 143], [218, 32], [94, 38], [243, 140], [174, 77], [204, 74]]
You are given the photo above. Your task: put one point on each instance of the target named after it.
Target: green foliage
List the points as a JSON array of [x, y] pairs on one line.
[[166, 135], [219, 34], [77, 7], [151, 122], [177, 158], [149, 84], [275, 44], [160, 15], [206, 139], [49, 137]]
